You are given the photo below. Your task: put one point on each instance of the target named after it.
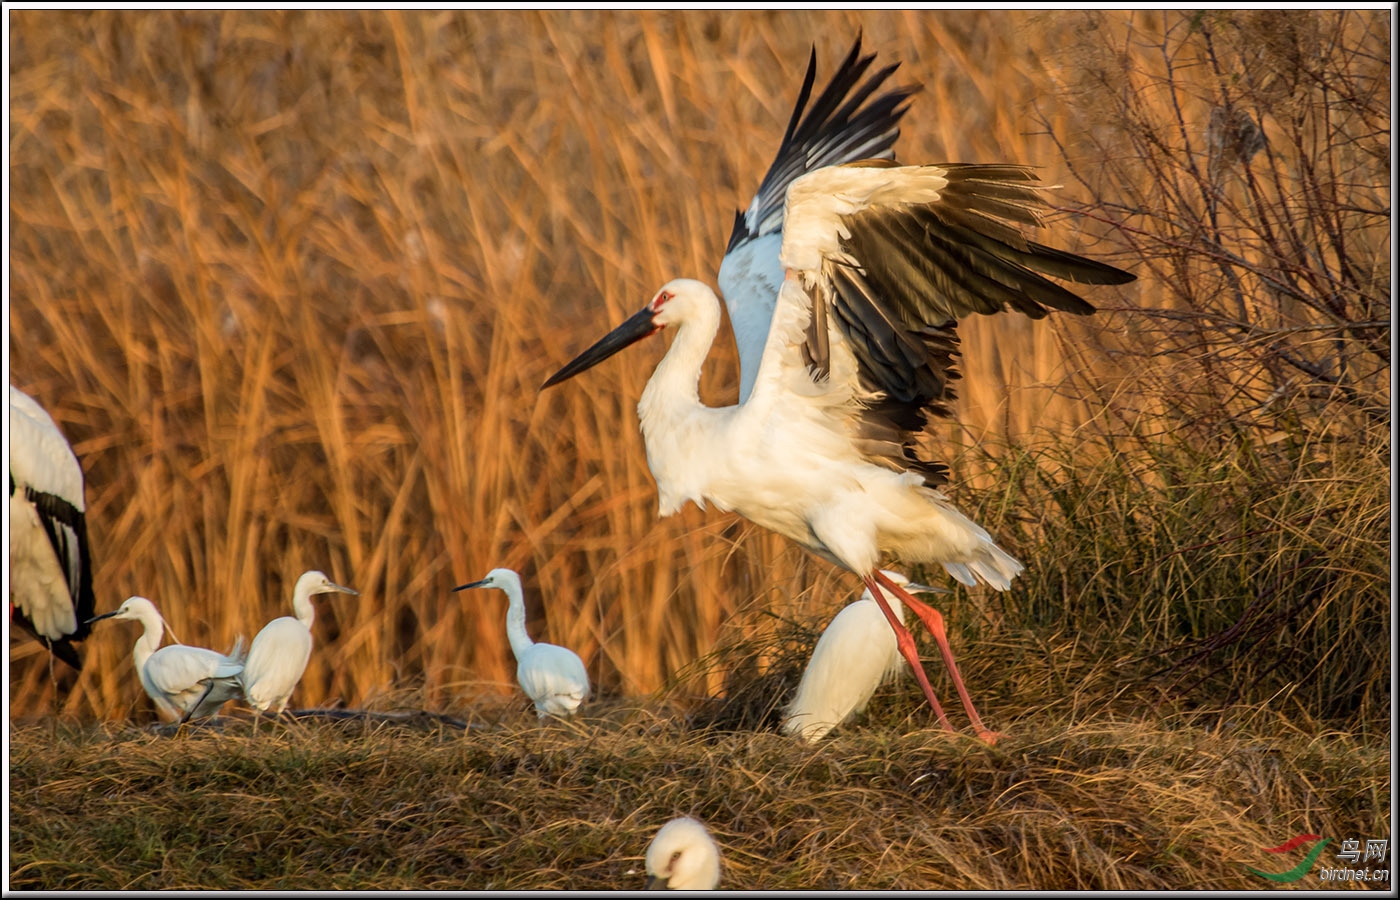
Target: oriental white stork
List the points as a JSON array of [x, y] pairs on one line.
[[50, 564], [880, 261]]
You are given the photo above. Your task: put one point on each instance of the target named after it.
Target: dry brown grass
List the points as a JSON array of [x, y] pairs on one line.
[[290, 282], [1114, 804]]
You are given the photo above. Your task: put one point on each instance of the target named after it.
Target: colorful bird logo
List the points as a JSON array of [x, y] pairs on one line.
[[1303, 867]]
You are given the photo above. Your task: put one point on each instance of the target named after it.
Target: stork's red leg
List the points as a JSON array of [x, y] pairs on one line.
[[933, 619], [905, 640]]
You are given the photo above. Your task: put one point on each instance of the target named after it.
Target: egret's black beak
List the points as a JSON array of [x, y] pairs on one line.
[[474, 584], [655, 883], [623, 336], [101, 617]]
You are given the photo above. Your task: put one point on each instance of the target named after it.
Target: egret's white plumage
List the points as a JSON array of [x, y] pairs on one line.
[[683, 857], [50, 569], [881, 261], [552, 676], [280, 652], [855, 654], [185, 682]]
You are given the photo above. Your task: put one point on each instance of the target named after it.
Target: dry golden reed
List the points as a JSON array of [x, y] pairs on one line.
[[290, 282]]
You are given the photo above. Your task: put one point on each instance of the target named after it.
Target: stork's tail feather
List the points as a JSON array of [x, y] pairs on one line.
[[995, 568]]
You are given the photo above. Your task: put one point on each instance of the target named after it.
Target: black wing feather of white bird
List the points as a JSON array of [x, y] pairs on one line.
[[840, 127], [895, 256], [51, 594], [879, 262]]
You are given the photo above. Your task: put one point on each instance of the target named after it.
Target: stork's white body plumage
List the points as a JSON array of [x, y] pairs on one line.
[[553, 677], [184, 682], [50, 570], [880, 261], [786, 459], [281, 650]]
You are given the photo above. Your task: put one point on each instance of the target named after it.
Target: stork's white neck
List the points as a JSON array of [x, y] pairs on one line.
[[676, 382], [515, 617], [671, 412]]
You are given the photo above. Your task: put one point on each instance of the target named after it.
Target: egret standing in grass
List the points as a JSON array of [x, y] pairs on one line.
[[683, 857], [280, 652], [854, 655], [185, 682], [880, 262], [554, 677], [50, 566]]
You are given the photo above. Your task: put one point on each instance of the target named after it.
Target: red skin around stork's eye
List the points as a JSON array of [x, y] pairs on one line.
[[661, 300]]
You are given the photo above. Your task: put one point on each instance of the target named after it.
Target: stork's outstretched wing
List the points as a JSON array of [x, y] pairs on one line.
[[835, 130], [882, 261]]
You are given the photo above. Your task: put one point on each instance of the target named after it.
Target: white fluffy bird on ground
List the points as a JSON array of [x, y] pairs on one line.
[[855, 654], [50, 566], [280, 652], [879, 262], [552, 676], [683, 857], [185, 682]]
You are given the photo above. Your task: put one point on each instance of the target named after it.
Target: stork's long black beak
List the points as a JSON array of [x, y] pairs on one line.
[[623, 336], [474, 584], [655, 883], [101, 617]]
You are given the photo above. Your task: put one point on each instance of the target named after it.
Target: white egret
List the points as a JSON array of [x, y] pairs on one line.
[[855, 654], [280, 652], [683, 857], [552, 676], [50, 563], [880, 262], [185, 682]]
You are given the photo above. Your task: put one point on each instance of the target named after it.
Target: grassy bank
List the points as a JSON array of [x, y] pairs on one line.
[[1112, 804]]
